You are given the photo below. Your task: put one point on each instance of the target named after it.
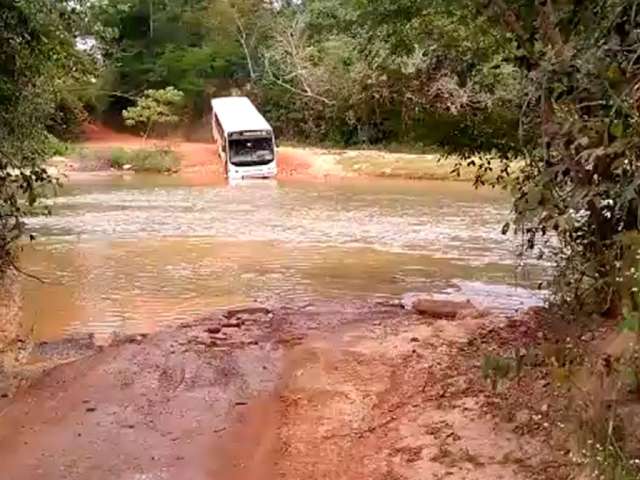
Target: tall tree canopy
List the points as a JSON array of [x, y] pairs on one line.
[[336, 70], [580, 142], [192, 45], [39, 67]]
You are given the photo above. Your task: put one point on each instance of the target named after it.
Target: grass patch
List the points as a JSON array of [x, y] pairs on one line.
[[55, 147], [398, 160], [157, 160], [431, 166]]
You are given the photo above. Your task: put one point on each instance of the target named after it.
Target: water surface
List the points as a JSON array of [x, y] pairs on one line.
[[140, 253]]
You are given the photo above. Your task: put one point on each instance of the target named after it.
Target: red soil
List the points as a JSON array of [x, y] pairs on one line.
[[199, 161], [332, 392]]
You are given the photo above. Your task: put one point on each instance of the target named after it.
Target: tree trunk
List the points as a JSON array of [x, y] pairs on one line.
[[148, 130], [242, 36], [150, 18], [10, 306]]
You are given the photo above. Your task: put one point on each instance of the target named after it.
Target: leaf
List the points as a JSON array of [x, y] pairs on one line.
[[614, 74], [617, 129], [32, 197], [534, 196], [631, 323]]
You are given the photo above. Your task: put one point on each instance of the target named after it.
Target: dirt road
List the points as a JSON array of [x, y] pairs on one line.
[[200, 162], [317, 392]]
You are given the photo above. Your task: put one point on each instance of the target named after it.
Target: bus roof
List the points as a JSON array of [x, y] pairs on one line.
[[238, 114]]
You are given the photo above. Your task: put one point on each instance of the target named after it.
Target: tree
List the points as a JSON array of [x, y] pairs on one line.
[[291, 62], [153, 108], [245, 20], [346, 71], [391, 71], [38, 65], [197, 53], [580, 178]]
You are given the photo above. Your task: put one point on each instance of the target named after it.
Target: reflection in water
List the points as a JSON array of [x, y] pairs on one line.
[[140, 254]]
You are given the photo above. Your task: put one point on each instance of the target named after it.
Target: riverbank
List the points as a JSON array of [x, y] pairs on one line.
[[294, 162], [350, 391], [336, 163]]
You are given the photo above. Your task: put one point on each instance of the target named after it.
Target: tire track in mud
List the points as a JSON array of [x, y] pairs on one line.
[[400, 401], [340, 392]]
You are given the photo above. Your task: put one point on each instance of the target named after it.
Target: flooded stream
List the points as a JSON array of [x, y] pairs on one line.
[[139, 253]]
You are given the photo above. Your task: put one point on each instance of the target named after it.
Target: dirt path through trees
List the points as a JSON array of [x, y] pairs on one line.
[[199, 160], [325, 391]]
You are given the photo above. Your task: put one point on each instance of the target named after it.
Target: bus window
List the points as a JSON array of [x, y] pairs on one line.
[[256, 151], [219, 133]]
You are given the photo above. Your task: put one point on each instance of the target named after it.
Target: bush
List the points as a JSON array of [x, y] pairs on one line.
[[55, 147], [159, 160], [68, 118], [154, 107]]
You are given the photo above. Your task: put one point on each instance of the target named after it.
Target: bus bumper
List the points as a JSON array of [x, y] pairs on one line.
[[264, 171]]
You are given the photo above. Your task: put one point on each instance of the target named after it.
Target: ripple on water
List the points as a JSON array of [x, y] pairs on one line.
[[410, 222], [136, 257]]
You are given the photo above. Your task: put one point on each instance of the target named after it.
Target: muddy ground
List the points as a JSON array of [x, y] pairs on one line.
[[326, 391], [199, 161]]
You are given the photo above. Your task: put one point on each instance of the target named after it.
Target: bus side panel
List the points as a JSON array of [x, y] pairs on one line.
[[224, 147], [219, 140]]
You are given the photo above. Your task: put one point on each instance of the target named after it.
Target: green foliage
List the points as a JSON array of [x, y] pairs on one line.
[[341, 71], [152, 160], [55, 147], [38, 64], [68, 117], [631, 322], [153, 108], [159, 160], [155, 44], [576, 194], [496, 369], [377, 72]]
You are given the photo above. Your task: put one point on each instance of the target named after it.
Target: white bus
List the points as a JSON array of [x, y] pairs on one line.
[[245, 140]]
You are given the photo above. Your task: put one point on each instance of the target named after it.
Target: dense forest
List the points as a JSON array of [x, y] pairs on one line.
[[343, 72], [338, 71], [541, 96]]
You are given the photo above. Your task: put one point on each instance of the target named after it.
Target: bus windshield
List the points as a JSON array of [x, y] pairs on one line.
[[251, 151]]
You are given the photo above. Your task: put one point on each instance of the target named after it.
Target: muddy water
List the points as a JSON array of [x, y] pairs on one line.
[[136, 254]]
